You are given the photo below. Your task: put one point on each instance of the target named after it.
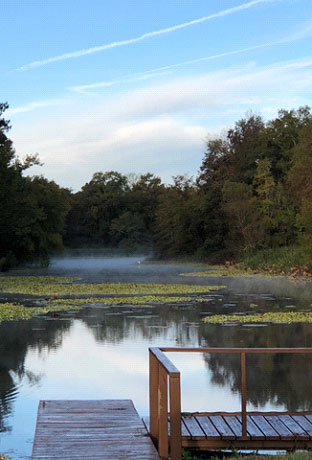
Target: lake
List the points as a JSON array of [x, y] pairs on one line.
[[101, 352]]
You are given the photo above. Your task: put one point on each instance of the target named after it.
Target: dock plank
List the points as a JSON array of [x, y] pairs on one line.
[[220, 424], [234, 424], [208, 428], [293, 426], [279, 426], [265, 427], [304, 423], [102, 430], [252, 429], [193, 427]]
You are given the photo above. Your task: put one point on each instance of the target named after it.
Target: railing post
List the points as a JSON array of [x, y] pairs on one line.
[[153, 395], [175, 416], [162, 412], [243, 391]]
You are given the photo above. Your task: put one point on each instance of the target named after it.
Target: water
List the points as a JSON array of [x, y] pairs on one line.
[[102, 353]]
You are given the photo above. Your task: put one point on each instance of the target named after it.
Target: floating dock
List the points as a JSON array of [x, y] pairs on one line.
[[97, 430], [265, 430], [172, 429]]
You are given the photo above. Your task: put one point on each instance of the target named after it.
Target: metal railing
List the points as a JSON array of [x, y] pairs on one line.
[[164, 381]]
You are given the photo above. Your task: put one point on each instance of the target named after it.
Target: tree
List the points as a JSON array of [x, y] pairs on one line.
[[143, 199], [246, 228], [102, 200], [32, 209], [177, 219], [283, 134], [246, 144], [300, 183]]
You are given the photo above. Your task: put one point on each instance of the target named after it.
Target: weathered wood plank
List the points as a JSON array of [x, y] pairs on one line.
[[295, 429], [102, 430], [222, 427], [207, 426], [193, 427], [252, 429], [279, 426], [86, 405], [309, 417], [184, 431], [304, 423], [265, 427], [234, 424]]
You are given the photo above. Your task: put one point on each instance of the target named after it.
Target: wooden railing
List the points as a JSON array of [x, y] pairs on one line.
[[163, 372]]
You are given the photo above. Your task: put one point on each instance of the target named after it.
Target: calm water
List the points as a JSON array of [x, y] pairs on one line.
[[102, 352]]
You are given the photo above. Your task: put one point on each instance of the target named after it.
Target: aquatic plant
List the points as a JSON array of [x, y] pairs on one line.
[[32, 284], [134, 300], [268, 317], [13, 311], [55, 286]]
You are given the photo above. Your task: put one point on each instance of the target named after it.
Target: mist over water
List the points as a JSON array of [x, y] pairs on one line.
[[101, 352]]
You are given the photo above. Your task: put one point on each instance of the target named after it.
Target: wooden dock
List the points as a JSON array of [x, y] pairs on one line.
[[265, 430], [172, 429], [97, 430]]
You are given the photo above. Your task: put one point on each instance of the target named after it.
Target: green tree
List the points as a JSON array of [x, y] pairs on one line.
[[283, 134], [246, 228], [265, 187], [176, 219], [144, 197], [300, 183], [278, 214], [32, 209], [102, 200]]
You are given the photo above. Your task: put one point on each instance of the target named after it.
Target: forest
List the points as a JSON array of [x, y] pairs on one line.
[[251, 201]]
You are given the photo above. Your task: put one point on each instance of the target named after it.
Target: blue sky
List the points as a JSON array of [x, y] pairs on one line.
[[140, 85]]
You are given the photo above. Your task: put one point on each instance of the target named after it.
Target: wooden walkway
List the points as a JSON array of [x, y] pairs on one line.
[[269, 430], [97, 430], [170, 428], [265, 430]]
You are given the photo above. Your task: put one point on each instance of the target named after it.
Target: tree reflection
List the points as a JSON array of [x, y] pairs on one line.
[[16, 337], [278, 379]]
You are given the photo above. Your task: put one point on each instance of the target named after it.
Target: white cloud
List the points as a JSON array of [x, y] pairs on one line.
[[100, 48], [161, 128], [157, 146]]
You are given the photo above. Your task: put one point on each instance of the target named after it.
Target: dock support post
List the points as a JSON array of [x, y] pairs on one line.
[[153, 395], [163, 412], [175, 417], [243, 389]]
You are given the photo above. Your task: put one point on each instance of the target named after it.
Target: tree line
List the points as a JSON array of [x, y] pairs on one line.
[[253, 193]]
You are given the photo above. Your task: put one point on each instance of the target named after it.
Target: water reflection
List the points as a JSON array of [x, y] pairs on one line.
[[281, 379], [101, 352]]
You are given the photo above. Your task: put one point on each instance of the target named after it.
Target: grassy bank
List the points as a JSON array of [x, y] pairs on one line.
[[188, 455], [283, 260]]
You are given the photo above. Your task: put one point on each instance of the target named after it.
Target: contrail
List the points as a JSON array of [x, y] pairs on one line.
[[133, 77], [160, 70], [97, 49]]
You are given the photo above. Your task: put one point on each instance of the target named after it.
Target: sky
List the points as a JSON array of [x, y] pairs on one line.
[[139, 86]]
